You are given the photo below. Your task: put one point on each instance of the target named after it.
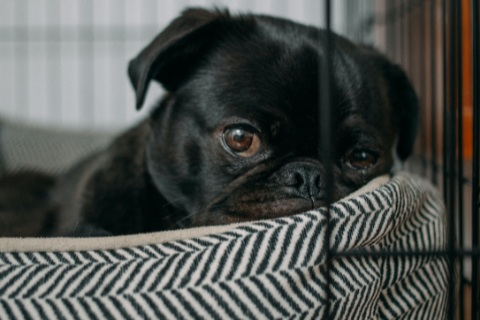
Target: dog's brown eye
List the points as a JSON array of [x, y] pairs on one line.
[[241, 141], [361, 159]]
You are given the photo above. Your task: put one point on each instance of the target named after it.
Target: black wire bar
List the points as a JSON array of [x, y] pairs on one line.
[[452, 153], [476, 155], [444, 80], [422, 45], [325, 74], [460, 145], [433, 101]]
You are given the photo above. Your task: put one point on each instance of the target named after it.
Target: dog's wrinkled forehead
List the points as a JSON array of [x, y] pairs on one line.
[[264, 77], [259, 67], [272, 75]]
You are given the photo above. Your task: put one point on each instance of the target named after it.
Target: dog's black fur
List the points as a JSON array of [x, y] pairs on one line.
[[246, 77]]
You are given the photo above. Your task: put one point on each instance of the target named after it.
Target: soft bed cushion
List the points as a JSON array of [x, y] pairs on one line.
[[271, 269], [49, 150]]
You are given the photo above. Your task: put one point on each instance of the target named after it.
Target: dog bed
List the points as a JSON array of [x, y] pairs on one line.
[[49, 150], [273, 269]]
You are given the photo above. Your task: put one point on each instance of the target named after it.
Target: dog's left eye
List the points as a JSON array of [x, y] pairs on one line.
[[361, 159], [241, 141]]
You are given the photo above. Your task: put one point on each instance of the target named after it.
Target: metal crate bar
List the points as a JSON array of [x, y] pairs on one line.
[[460, 145], [422, 45], [445, 76], [433, 107], [451, 150], [476, 159], [326, 146], [406, 22]]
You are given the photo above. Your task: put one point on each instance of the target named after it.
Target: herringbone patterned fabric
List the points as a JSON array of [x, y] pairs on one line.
[[268, 270]]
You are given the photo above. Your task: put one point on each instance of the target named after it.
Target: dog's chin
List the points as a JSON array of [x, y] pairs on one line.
[[221, 214]]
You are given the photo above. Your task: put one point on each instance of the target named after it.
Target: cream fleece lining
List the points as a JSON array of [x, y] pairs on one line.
[[118, 242]]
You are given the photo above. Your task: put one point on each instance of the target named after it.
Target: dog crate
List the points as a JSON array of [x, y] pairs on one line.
[[65, 66], [437, 43]]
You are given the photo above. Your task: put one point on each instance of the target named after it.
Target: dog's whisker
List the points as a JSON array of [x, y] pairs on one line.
[[173, 213], [200, 211], [170, 202]]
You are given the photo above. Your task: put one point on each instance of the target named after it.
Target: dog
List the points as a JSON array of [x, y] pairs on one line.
[[236, 136]]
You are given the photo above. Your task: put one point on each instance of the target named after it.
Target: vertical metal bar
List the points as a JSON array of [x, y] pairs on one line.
[[393, 30], [460, 145], [400, 16], [355, 20], [444, 45], [406, 36], [367, 22], [122, 54], [63, 57], [360, 26], [350, 17], [400, 26], [390, 23], [54, 61], [476, 156], [21, 29], [423, 65], [86, 60], [384, 20], [408, 64], [452, 153], [408, 12], [433, 76], [325, 142]]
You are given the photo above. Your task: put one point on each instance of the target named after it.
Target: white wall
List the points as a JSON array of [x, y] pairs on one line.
[[63, 63]]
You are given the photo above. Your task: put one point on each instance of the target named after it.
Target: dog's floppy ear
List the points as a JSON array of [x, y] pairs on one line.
[[168, 57], [404, 102]]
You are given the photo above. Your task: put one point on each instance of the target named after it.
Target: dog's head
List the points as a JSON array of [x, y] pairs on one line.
[[237, 136]]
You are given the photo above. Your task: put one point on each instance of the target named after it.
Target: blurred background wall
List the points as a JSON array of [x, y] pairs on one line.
[[63, 62]]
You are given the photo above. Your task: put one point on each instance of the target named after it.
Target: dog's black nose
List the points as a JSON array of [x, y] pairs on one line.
[[304, 177]]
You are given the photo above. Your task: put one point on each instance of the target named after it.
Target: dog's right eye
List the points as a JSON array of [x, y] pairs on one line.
[[361, 159], [241, 141]]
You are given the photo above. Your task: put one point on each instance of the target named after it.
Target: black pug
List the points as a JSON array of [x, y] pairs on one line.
[[236, 138]]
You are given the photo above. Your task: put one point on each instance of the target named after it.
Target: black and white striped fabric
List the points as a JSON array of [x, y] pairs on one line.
[[267, 270]]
